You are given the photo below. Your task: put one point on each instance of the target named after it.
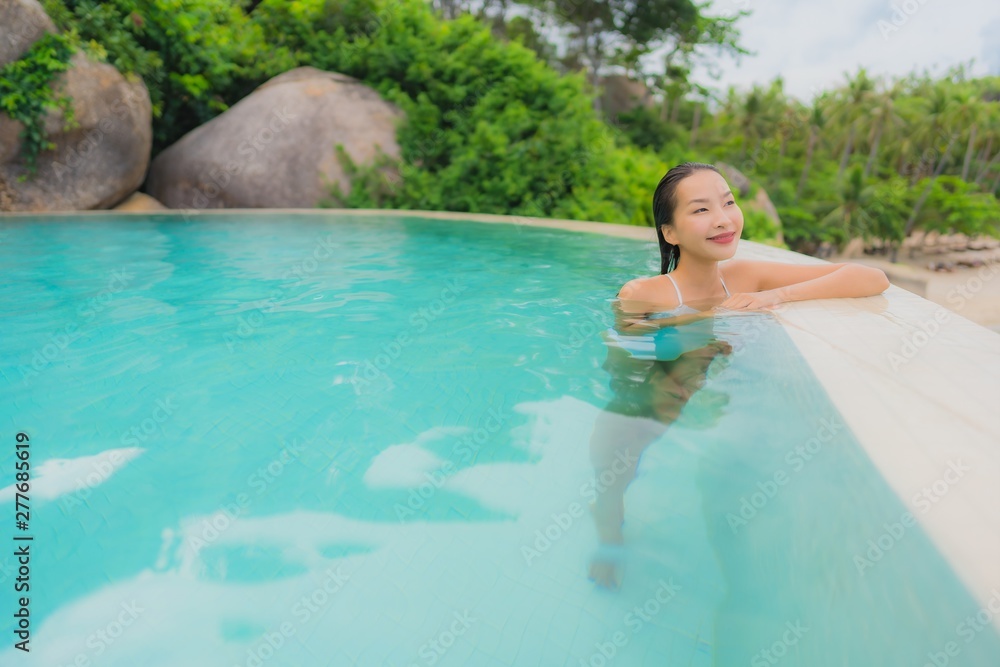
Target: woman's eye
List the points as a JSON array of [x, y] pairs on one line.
[[731, 201], [700, 210]]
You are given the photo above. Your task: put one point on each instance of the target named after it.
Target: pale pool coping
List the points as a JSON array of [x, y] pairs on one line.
[[944, 399]]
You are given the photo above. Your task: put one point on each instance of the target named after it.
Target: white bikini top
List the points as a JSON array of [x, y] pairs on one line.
[[680, 299]]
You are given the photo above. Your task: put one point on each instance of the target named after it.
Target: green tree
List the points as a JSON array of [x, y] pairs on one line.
[[817, 122], [600, 29], [197, 57], [955, 206], [850, 104], [883, 114], [489, 128], [969, 111]]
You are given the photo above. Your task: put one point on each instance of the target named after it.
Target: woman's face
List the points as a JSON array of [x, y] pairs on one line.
[[705, 208]]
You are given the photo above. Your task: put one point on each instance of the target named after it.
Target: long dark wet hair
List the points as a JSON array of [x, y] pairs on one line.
[[664, 204]]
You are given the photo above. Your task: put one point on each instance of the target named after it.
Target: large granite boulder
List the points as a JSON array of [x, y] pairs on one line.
[[22, 23], [96, 163], [621, 94], [139, 202], [276, 148]]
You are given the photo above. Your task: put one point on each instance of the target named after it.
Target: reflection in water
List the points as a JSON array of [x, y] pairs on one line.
[[657, 366]]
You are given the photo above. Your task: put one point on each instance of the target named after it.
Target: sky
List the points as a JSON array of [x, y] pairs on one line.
[[812, 44]]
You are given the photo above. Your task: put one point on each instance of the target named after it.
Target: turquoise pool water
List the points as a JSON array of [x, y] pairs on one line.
[[297, 440]]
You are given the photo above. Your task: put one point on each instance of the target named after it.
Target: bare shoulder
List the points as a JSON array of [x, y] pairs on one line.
[[633, 289], [742, 275], [633, 305], [646, 294], [640, 289]]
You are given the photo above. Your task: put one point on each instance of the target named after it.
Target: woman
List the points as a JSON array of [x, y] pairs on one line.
[[698, 225], [649, 395]]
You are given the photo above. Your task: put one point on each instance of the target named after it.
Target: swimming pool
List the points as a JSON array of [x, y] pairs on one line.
[[315, 440]]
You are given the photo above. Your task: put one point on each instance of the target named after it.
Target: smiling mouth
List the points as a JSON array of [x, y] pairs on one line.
[[721, 237]]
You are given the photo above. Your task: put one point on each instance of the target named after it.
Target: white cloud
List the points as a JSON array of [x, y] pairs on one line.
[[56, 477], [812, 45]]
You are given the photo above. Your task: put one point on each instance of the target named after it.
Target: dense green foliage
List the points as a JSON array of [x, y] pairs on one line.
[[197, 57], [490, 128], [498, 120], [874, 159], [26, 92]]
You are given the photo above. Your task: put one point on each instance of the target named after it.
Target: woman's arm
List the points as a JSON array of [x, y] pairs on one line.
[[631, 312], [799, 283], [778, 283]]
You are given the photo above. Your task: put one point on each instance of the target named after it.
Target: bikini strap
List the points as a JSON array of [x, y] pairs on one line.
[[680, 299], [723, 284]]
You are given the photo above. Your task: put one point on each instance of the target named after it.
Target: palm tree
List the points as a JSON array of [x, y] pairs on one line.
[[849, 107], [750, 119], [817, 121], [927, 189], [785, 114], [968, 112], [848, 217], [884, 114], [791, 117], [986, 168], [991, 127], [985, 162], [912, 109], [701, 95], [931, 128]]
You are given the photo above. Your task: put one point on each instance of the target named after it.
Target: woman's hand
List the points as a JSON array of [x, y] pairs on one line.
[[753, 300]]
